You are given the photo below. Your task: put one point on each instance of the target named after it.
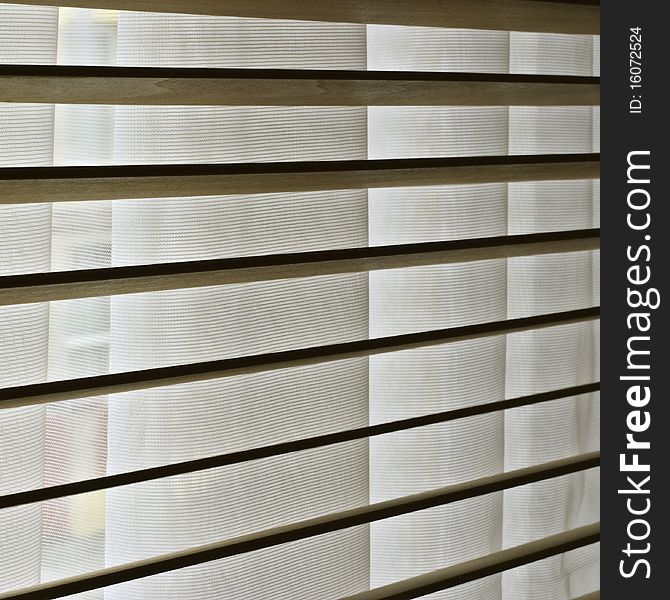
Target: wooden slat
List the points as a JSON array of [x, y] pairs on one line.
[[262, 87], [342, 520], [232, 458], [64, 184], [112, 281], [559, 16], [85, 387], [490, 564]]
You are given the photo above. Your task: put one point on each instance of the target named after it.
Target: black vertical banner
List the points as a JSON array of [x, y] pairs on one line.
[[635, 260]]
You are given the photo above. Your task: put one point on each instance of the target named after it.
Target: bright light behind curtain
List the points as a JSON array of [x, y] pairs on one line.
[[26, 138], [433, 379], [86, 438]]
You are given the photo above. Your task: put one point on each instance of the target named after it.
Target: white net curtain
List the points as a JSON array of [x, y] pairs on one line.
[[79, 439]]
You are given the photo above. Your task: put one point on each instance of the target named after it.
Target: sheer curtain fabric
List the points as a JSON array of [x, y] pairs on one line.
[[78, 439]]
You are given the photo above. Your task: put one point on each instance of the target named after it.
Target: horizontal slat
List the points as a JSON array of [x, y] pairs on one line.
[[490, 564], [591, 596], [231, 458], [558, 16], [64, 184], [54, 391], [62, 285], [263, 87], [313, 527]]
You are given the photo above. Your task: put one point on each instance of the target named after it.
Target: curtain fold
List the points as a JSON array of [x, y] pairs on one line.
[[165, 425], [405, 384], [27, 35], [558, 357]]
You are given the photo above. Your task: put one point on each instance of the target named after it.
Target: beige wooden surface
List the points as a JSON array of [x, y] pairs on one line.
[[513, 15], [271, 91], [64, 189]]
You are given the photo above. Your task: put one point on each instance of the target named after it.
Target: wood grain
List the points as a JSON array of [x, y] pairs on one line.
[[255, 87], [571, 16], [113, 383], [43, 287], [50, 184], [483, 566], [407, 588]]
